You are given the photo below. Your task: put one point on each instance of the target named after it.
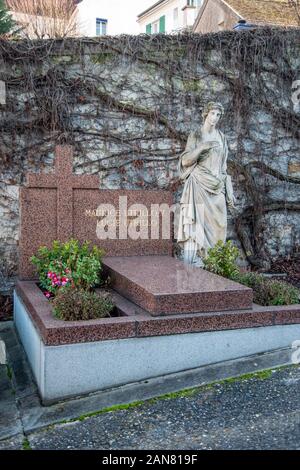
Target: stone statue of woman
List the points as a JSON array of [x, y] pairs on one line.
[[207, 188]]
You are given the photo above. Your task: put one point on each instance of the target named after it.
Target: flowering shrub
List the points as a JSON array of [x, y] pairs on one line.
[[78, 304], [57, 276], [68, 264]]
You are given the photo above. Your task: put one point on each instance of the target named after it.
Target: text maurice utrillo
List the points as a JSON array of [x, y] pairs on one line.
[[140, 217]]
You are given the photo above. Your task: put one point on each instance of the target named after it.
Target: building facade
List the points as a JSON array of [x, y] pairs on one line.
[[168, 16], [93, 18], [44, 19], [220, 15], [61, 18]]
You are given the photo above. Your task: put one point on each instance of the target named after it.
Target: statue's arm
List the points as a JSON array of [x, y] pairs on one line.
[[190, 154], [194, 152]]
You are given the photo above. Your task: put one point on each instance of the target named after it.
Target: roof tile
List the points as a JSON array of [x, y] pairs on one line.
[[276, 12]]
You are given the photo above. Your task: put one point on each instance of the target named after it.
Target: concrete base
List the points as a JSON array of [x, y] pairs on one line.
[[76, 369]]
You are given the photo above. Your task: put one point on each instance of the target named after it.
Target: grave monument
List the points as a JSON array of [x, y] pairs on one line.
[[173, 316]]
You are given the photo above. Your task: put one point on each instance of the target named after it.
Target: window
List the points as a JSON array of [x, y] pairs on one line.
[[162, 24], [175, 15], [101, 27], [155, 27], [194, 3]]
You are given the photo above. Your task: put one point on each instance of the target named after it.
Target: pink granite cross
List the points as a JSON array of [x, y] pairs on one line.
[[64, 181]]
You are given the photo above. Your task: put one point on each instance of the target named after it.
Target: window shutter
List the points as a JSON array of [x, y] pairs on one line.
[[148, 28], [162, 24]]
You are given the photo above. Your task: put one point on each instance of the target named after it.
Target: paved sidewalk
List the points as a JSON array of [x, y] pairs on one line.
[[260, 411]]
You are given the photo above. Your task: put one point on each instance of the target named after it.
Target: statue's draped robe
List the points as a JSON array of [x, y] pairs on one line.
[[207, 187]]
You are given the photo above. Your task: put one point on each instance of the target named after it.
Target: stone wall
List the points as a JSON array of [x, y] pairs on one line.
[[127, 104]]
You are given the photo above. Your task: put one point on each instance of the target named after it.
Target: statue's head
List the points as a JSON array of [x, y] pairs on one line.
[[212, 113]]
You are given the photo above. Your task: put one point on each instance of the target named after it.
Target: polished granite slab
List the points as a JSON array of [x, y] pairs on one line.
[[163, 285]]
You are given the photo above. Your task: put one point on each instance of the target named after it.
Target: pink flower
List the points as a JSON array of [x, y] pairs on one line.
[[47, 294], [49, 275]]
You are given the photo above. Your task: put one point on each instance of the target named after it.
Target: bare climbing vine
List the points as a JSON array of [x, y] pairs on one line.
[[131, 101]]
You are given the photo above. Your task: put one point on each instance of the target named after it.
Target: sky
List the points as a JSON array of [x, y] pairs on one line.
[[128, 10]]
